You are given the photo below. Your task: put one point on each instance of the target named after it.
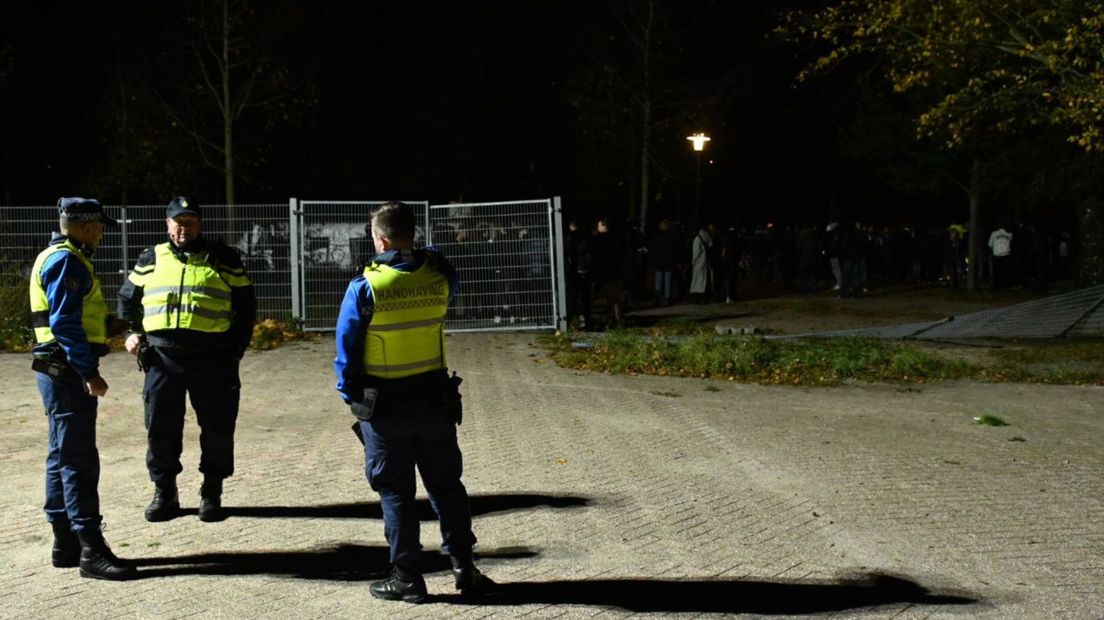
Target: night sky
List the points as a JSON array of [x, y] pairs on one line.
[[474, 101]]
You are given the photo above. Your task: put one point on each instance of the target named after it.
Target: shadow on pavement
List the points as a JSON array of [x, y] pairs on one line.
[[340, 563], [480, 504], [735, 596]]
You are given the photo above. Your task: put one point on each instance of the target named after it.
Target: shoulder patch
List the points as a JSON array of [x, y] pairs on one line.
[[71, 283], [147, 257]]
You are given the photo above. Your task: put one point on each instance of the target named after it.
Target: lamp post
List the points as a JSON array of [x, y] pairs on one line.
[[699, 139]]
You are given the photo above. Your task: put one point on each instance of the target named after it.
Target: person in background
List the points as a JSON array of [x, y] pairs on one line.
[[701, 282], [1000, 247]]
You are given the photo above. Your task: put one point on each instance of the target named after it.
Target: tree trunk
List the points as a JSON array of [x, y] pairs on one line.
[[975, 222], [646, 121], [227, 122], [645, 156], [124, 122]]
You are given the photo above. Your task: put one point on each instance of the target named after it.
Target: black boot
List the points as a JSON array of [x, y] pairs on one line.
[[165, 504], [401, 586], [210, 500], [67, 548], [98, 562], [468, 578]]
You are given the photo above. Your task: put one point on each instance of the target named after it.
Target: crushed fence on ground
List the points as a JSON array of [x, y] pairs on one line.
[[1077, 314]]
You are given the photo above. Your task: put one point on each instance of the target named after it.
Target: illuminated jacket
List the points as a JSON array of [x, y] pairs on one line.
[[67, 306], [199, 298], [391, 321]]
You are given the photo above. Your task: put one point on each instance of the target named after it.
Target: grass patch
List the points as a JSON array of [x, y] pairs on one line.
[[753, 360], [692, 350], [712, 388], [989, 420], [667, 394]]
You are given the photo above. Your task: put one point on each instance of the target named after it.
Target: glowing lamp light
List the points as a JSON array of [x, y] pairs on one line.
[[699, 140]]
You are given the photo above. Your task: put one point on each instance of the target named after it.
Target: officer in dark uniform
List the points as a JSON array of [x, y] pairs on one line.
[[191, 308], [71, 326], [391, 370]]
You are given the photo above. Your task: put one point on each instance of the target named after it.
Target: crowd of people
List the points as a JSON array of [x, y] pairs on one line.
[[623, 267]]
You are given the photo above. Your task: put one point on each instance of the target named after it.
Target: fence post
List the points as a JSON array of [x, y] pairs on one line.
[[429, 224], [560, 309], [123, 230], [294, 258]]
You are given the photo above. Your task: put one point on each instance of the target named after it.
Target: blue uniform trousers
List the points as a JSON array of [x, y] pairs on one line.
[[415, 431], [72, 460], [211, 380]]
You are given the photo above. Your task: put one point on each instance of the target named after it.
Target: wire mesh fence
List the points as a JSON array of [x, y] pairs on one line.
[[503, 253], [301, 255], [260, 232], [335, 243]]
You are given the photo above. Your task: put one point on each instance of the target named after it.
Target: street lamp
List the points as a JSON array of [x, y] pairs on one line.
[[699, 139]]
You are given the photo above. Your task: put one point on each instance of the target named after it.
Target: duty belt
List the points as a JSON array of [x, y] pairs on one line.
[[187, 350]]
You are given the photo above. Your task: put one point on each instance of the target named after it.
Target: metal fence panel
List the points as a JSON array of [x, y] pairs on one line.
[[335, 243], [301, 255], [260, 232], [504, 253]]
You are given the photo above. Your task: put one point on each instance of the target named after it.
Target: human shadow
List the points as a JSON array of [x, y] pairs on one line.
[[345, 562], [480, 505], [717, 596]]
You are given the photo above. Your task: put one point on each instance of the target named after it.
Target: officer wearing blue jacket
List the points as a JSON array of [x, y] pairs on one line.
[[390, 368], [71, 326]]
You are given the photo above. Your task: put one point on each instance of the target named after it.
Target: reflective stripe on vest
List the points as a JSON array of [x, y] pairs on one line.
[[93, 311], [406, 334], [177, 295]]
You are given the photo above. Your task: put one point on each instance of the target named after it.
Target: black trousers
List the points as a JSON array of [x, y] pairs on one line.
[[408, 432], [211, 380]]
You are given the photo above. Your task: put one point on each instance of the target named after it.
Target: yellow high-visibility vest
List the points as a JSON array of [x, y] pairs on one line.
[[94, 309], [192, 295], [406, 335]]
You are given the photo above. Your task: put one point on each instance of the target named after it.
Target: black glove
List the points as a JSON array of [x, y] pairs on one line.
[[455, 399]]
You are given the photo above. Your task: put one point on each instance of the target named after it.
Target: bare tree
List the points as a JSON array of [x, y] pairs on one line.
[[7, 63], [230, 49], [637, 86]]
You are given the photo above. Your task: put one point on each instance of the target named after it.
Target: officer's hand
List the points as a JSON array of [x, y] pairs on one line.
[[133, 341], [97, 386]]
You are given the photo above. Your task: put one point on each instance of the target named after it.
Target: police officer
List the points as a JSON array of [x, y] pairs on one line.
[[71, 327], [191, 309], [390, 368]]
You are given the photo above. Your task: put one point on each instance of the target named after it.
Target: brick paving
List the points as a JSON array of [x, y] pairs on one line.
[[600, 495]]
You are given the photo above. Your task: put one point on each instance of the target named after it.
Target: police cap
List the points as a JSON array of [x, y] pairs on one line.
[[182, 205], [76, 209]]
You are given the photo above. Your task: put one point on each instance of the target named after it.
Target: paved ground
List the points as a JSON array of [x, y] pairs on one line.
[[601, 495]]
